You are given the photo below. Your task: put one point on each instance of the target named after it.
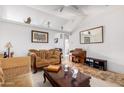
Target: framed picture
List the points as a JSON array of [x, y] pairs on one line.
[[86, 40], [39, 37], [56, 40]]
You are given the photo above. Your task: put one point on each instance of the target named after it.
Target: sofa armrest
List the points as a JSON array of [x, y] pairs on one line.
[[58, 55], [33, 62], [33, 58]]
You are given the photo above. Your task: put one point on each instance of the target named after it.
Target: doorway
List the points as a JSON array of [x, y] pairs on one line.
[[66, 45]]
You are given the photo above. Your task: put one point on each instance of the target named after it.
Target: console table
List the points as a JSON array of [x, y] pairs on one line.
[[96, 63]]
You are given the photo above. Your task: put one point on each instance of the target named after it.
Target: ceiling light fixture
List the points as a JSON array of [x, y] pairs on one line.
[[62, 27], [48, 23]]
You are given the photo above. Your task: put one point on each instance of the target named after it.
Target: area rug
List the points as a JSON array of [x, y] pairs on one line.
[[38, 79], [103, 75]]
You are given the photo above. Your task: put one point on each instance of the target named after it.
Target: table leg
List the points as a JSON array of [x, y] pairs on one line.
[[44, 78]]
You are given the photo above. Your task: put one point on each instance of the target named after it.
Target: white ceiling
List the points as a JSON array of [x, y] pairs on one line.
[[72, 16], [58, 15]]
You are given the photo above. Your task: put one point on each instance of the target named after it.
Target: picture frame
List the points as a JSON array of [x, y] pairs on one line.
[[92, 35], [56, 40], [39, 37], [87, 40]]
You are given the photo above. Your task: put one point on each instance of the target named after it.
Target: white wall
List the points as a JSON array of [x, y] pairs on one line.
[[113, 47], [20, 37], [20, 13]]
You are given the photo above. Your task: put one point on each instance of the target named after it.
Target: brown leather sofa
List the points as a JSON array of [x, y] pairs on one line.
[[42, 58]]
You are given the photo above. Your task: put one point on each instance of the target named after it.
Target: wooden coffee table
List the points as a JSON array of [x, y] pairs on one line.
[[64, 79]]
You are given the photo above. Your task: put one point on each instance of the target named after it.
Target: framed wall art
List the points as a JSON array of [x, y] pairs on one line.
[[39, 37], [56, 40], [93, 35]]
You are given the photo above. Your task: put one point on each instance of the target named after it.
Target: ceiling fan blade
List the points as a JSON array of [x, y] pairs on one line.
[[75, 6], [61, 9], [77, 9]]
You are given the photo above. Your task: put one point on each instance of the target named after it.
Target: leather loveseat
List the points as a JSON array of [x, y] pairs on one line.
[[42, 58]]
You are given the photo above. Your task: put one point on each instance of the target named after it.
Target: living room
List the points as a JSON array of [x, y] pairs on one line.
[[60, 27]]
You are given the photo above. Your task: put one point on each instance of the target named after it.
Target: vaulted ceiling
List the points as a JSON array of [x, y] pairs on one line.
[[69, 16], [59, 17]]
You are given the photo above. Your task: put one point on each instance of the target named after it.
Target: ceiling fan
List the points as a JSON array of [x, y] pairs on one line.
[[68, 6], [75, 8]]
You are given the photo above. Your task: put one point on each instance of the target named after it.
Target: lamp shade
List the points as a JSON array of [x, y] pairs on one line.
[[8, 45]]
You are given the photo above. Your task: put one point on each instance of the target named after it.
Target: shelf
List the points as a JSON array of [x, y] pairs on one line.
[[30, 25], [97, 63]]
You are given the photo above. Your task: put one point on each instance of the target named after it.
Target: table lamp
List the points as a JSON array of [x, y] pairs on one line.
[[8, 46]]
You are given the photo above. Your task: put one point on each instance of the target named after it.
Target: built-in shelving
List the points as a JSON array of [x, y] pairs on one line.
[[30, 25]]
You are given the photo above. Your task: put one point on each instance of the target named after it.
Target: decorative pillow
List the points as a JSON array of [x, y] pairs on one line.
[[1, 76]]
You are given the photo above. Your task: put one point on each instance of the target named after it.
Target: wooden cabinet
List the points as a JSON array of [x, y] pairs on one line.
[[79, 56]]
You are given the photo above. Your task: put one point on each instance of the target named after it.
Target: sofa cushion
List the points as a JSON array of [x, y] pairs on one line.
[[42, 62], [8, 63], [50, 53], [38, 59], [16, 72], [15, 66], [22, 80], [54, 56], [53, 60], [43, 53]]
